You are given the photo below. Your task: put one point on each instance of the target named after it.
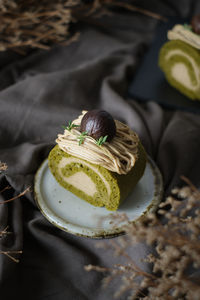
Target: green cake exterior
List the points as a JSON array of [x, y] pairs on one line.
[[166, 66], [120, 185]]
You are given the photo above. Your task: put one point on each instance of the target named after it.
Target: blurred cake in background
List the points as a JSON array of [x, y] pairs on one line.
[[179, 58]]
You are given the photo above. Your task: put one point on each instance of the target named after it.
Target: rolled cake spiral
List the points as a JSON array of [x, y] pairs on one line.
[[179, 59], [102, 175], [94, 183]]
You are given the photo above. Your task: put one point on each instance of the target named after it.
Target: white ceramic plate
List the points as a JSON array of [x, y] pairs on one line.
[[70, 213]]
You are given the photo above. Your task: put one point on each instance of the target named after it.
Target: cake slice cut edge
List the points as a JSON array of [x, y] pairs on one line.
[[180, 63], [94, 183]]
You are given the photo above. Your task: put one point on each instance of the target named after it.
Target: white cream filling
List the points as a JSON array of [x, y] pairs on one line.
[[83, 182], [67, 160], [180, 71]]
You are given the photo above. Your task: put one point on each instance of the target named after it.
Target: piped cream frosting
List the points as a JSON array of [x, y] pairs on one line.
[[179, 32], [119, 155]]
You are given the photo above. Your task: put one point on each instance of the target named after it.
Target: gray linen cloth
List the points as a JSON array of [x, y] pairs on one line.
[[42, 91]]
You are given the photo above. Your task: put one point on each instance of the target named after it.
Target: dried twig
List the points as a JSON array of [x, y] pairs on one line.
[[4, 231], [41, 24], [140, 10], [176, 246], [6, 188], [28, 189], [11, 253], [3, 166]]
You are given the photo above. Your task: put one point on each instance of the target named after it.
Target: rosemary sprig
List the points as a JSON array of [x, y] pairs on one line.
[[81, 137], [70, 126], [101, 140]]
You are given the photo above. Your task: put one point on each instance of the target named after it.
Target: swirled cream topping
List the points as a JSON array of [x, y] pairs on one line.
[[119, 155], [179, 32]]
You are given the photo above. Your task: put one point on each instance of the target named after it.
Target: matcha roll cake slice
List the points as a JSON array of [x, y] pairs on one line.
[[98, 159], [179, 59]]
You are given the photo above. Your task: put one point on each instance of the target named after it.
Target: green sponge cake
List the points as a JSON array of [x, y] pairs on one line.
[[181, 64], [98, 159], [179, 59]]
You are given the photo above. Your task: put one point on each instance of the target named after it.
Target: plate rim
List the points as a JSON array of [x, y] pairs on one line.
[[102, 234]]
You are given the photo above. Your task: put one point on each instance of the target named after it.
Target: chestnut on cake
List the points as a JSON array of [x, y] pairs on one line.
[[99, 159]]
